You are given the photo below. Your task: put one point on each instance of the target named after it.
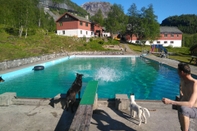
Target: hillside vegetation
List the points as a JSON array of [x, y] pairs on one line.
[[186, 23], [14, 47]]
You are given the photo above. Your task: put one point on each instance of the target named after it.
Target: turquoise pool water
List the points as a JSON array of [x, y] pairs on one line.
[[116, 75]]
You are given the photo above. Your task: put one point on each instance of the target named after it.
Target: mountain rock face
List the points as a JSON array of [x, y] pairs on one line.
[[93, 7], [66, 5], [50, 3]]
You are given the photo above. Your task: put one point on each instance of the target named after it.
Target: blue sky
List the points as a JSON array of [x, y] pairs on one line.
[[162, 8]]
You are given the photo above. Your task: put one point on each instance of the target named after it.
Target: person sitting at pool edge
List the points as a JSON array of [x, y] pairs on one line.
[[188, 96]]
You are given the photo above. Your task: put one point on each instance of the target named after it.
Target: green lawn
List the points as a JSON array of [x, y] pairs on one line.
[[181, 54], [13, 47]]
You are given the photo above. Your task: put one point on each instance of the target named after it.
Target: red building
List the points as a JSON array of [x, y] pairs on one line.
[[73, 25], [169, 36], [97, 29]]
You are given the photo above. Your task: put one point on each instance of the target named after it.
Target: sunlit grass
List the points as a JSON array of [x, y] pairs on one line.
[[181, 54], [13, 47]]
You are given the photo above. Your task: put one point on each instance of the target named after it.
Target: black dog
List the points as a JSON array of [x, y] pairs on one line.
[[72, 92], [1, 79]]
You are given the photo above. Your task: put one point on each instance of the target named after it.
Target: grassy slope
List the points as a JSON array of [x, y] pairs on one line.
[[13, 47]]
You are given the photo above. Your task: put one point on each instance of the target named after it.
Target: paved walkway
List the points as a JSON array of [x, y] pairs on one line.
[[128, 50], [170, 62]]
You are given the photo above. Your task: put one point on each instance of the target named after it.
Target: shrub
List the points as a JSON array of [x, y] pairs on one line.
[[84, 38], [101, 42], [110, 40], [11, 31]]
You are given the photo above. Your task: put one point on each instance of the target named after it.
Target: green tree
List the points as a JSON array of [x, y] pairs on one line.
[[22, 16], [143, 24], [150, 26], [116, 20], [195, 39], [134, 21], [98, 18], [58, 1]]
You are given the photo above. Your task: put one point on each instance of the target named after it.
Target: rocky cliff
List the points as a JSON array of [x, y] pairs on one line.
[[93, 7]]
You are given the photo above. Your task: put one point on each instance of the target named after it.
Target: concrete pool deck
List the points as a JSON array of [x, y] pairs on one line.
[[40, 116], [43, 117]]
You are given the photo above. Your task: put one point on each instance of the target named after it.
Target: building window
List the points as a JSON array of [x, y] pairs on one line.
[[63, 32], [86, 32], [87, 24], [171, 42], [165, 35], [81, 23], [80, 31], [172, 35], [66, 16], [61, 24], [177, 35], [158, 42], [165, 42], [92, 33]]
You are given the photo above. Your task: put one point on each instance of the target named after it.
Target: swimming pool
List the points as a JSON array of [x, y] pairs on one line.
[[116, 75]]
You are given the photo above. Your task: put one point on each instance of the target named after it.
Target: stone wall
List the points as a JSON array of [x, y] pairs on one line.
[[20, 62]]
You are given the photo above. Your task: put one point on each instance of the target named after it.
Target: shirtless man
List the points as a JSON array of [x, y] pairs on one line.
[[188, 96]]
